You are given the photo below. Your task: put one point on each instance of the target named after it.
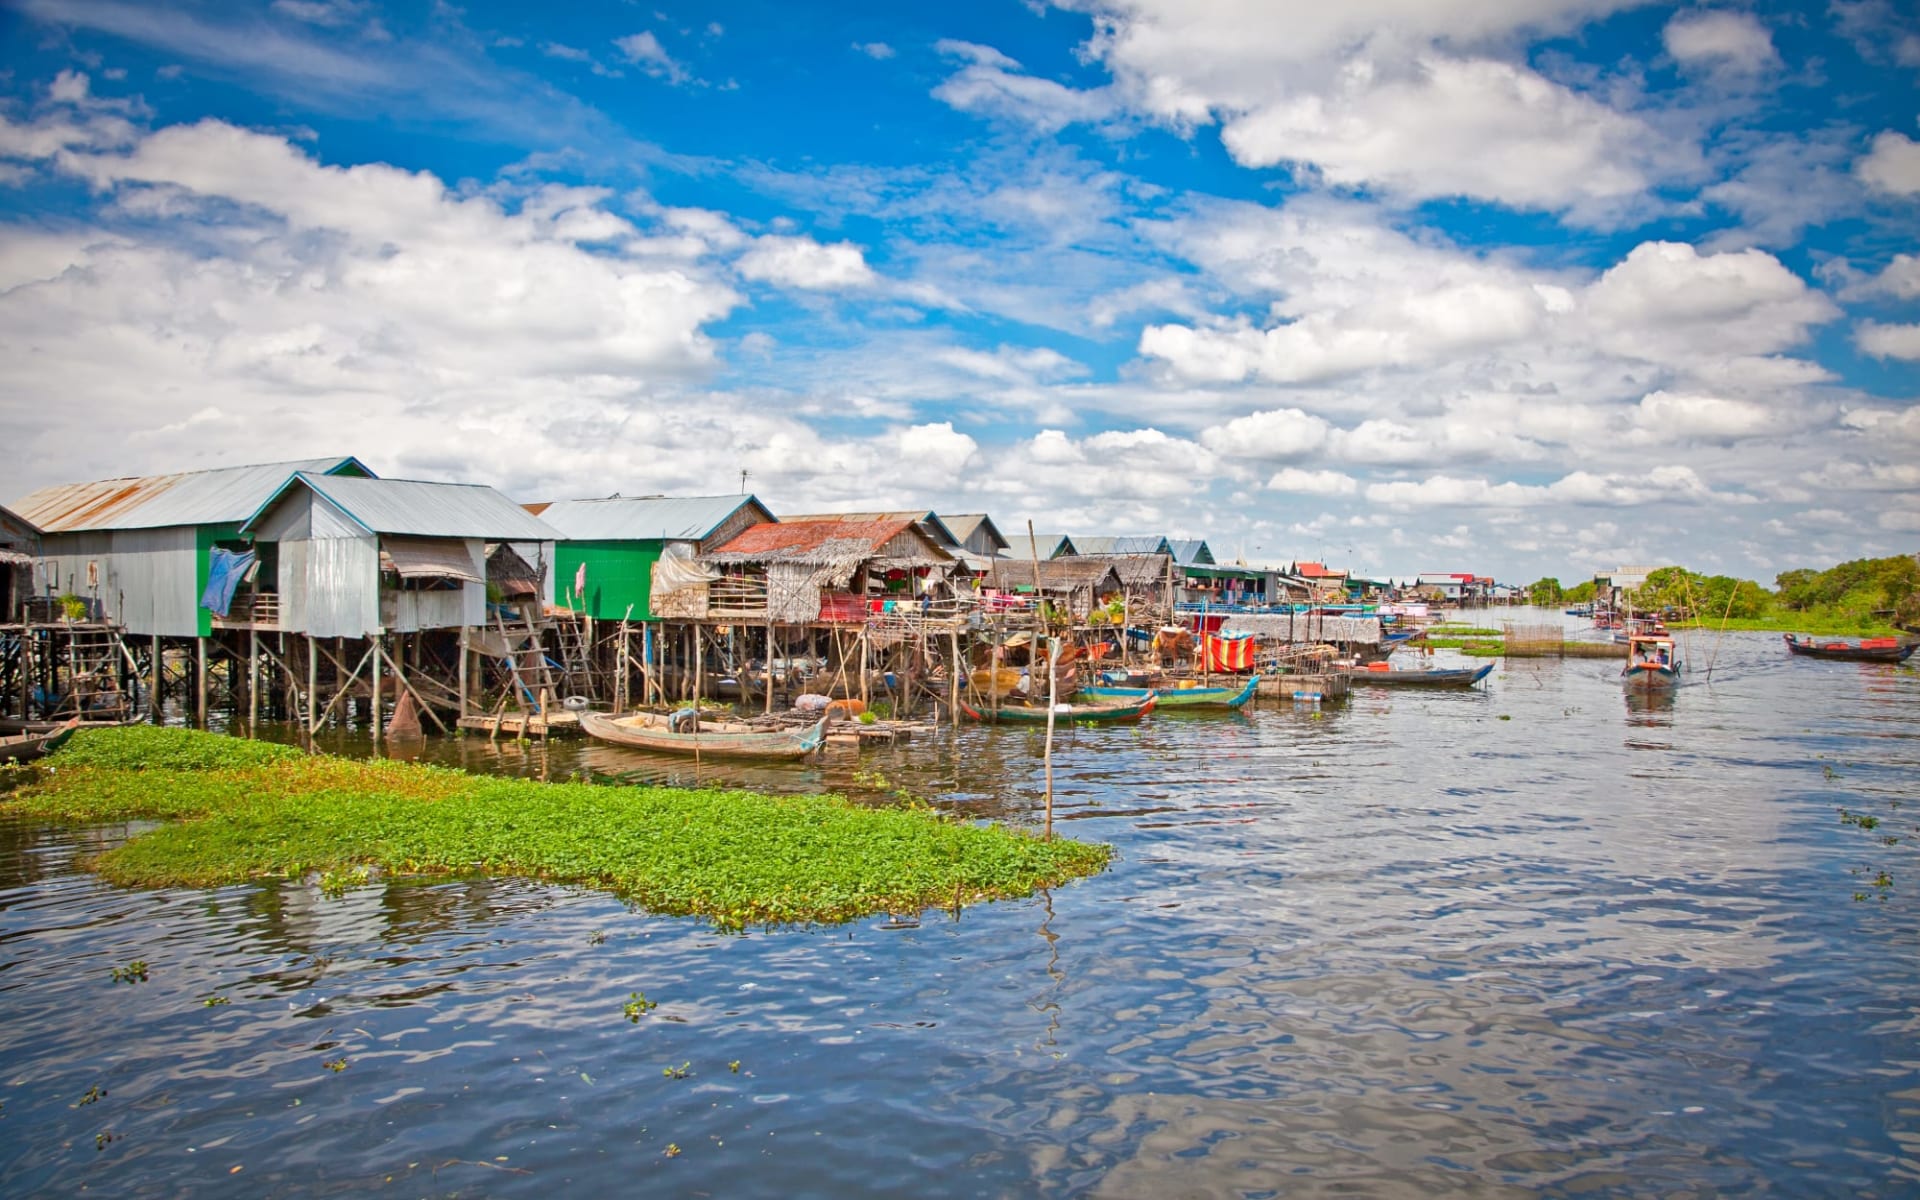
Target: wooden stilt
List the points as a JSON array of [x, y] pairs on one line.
[[953, 680], [374, 684], [464, 652], [199, 683], [313, 686], [699, 665], [769, 708], [157, 666], [253, 681]]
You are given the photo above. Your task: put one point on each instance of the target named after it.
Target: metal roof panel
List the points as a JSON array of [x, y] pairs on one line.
[[416, 508], [218, 496], [644, 518]]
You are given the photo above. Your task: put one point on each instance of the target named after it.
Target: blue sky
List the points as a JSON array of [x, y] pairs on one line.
[[1525, 288]]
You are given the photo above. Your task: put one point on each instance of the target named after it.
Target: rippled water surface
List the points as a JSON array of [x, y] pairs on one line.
[[1538, 939]]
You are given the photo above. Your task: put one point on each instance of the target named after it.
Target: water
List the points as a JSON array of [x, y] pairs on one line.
[[1539, 940]]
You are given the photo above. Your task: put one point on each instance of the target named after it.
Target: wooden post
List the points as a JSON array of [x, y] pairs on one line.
[[769, 708], [313, 686], [199, 683], [253, 681], [374, 683], [465, 650], [26, 670], [866, 673], [156, 666], [699, 666], [1053, 699], [953, 680]]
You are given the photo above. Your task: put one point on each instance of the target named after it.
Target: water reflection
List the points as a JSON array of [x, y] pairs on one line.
[[1516, 941]]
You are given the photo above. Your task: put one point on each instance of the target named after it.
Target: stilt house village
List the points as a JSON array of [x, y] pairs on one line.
[[320, 593]]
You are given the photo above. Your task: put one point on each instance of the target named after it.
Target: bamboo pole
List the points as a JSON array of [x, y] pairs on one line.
[[953, 679], [1053, 701]]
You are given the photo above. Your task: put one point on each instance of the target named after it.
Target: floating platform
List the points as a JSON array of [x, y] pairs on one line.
[[519, 725], [1317, 688]]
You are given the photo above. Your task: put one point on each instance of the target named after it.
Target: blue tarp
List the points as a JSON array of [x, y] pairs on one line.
[[225, 570]]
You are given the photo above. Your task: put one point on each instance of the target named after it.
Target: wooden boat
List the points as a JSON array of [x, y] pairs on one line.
[[1436, 677], [25, 747], [1886, 649], [1063, 714], [1652, 662], [1180, 697], [678, 733]]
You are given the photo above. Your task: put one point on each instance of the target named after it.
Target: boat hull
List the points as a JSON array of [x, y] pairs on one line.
[[1462, 677], [1648, 677], [1200, 697], [648, 731], [1064, 715], [28, 746], [1850, 652]]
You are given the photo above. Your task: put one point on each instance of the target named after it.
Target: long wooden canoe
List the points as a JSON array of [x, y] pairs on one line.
[[1889, 650], [716, 739], [1063, 714], [27, 746], [1179, 697], [1437, 677]]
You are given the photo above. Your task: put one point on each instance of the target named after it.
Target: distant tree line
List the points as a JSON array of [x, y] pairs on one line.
[[1865, 591]]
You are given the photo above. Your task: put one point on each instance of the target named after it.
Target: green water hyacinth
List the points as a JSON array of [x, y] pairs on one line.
[[239, 810]]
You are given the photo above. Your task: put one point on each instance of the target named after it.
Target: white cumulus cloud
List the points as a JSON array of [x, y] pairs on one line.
[[802, 262]]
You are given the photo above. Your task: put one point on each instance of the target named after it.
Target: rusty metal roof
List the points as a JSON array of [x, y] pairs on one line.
[[219, 496], [929, 522], [821, 540]]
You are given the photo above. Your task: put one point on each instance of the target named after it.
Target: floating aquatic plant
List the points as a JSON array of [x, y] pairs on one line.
[[133, 972], [246, 810], [637, 1006]]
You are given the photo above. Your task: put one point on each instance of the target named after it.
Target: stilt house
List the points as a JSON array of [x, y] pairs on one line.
[[138, 550], [821, 570], [353, 557], [607, 563], [19, 548], [1075, 584]]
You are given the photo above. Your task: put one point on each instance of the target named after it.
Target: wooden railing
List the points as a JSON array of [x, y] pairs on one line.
[[251, 610]]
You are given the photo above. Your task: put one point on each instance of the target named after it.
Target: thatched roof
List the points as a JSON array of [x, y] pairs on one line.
[[1055, 575]]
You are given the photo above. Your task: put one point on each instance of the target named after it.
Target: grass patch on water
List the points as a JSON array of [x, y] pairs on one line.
[[244, 810], [1842, 625], [1464, 631], [1471, 645]]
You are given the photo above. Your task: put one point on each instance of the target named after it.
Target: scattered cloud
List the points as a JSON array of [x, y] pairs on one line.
[[804, 263], [644, 50], [1312, 483], [1888, 341], [875, 50], [991, 84], [1892, 165], [1720, 39]]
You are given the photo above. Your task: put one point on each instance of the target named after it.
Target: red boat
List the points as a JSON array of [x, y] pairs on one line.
[[1883, 649]]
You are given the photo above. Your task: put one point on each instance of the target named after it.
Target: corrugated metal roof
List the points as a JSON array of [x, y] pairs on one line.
[[419, 509], [220, 496], [16, 530], [644, 518], [934, 527], [964, 524], [1143, 544], [1191, 551], [818, 540], [1049, 544]]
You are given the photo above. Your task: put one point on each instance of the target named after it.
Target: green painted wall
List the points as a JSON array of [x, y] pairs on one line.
[[206, 538], [618, 574]]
